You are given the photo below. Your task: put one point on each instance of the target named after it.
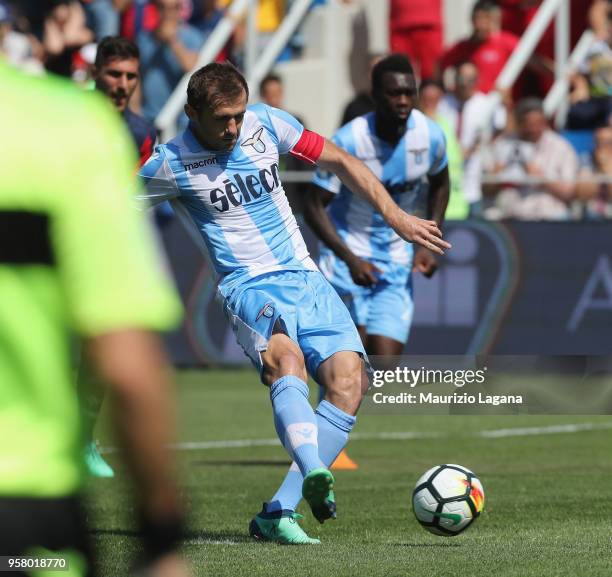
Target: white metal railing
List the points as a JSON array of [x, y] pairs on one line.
[[167, 118], [528, 43], [559, 89], [526, 47], [274, 47]]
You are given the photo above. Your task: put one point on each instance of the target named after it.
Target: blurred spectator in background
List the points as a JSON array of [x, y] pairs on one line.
[[136, 16], [416, 30], [205, 16], [272, 93], [465, 108], [430, 96], [270, 14], [597, 196], [102, 17], [16, 47], [538, 153], [166, 53], [117, 74], [591, 86], [516, 17], [363, 102], [487, 47], [65, 33]]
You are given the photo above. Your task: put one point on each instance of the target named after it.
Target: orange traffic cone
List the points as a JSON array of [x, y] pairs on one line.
[[344, 463]]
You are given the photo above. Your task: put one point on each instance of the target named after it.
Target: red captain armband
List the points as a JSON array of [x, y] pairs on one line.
[[309, 146]]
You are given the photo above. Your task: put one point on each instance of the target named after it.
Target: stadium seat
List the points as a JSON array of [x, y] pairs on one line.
[[581, 140]]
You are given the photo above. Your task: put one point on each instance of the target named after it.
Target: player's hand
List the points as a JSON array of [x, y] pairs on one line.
[[425, 262], [363, 273], [423, 232]]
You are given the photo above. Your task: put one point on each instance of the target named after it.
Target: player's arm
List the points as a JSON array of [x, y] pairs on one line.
[[360, 180], [317, 198], [437, 200], [133, 364]]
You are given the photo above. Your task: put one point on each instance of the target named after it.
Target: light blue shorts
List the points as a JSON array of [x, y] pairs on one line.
[[385, 308], [301, 304]]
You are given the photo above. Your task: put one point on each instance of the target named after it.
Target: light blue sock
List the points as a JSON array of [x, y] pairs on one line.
[[334, 427], [295, 422]]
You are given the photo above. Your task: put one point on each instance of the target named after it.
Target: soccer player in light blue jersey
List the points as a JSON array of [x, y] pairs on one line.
[[222, 176], [362, 256]]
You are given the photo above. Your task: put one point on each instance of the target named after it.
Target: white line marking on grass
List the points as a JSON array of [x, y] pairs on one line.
[[550, 430], [210, 542], [391, 436], [395, 436]]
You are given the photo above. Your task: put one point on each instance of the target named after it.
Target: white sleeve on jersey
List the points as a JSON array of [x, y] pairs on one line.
[[285, 127], [158, 179]]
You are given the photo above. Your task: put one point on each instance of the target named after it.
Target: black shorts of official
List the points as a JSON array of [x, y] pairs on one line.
[[56, 525]]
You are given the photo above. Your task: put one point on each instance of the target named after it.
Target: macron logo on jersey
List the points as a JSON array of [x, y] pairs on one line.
[[200, 163], [238, 190]]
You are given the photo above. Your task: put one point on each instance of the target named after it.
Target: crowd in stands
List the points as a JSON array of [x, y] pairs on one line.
[[510, 163]]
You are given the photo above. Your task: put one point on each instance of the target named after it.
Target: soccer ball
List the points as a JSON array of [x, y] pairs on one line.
[[447, 499]]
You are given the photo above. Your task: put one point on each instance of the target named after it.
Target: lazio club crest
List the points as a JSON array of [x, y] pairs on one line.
[[255, 141]]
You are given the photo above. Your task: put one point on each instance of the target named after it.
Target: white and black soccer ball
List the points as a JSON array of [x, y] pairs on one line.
[[447, 499]]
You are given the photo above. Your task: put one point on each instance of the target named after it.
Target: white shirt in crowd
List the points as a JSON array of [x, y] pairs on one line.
[[469, 123]]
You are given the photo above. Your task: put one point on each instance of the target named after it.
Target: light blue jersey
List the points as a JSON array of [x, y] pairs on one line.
[[386, 308], [234, 200], [402, 168], [234, 205]]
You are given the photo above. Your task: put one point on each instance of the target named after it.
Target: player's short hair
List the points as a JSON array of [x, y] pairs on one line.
[[215, 84], [115, 48], [485, 6], [527, 105], [267, 79], [393, 63]]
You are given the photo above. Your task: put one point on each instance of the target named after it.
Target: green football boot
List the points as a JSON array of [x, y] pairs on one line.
[[317, 490], [279, 527], [96, 465]]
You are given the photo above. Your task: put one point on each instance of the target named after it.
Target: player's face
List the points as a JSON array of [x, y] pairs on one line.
[[219, 127], [118, 80], [397, 96]]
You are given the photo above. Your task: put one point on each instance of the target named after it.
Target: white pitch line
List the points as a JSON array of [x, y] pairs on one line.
[[210, 542], [391, 436], [550, 430]]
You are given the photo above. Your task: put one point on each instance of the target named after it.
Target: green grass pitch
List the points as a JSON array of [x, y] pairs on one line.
[[547, 513]]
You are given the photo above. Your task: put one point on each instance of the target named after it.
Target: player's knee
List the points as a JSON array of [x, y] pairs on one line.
[[283, 357]]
